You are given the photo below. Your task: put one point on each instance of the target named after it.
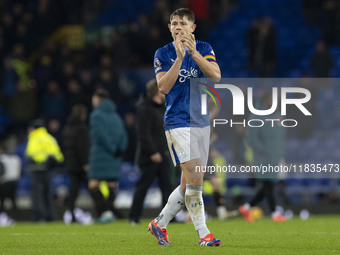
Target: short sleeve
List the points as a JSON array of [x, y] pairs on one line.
[[208, 53], [160, 62]]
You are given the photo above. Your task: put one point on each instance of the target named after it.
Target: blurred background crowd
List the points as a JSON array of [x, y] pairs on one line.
[[55, 54]]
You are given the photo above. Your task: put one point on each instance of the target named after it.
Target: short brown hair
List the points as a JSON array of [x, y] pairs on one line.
[[184, 12], [79, 110], [151, 88], [102, 93]]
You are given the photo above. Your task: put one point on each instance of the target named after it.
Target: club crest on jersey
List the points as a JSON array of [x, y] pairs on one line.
[[157, 65], [185, 74]]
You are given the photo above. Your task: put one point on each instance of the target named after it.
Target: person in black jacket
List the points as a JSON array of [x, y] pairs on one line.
[[76, 149], [153, 156], [322, 61], [262, 47]]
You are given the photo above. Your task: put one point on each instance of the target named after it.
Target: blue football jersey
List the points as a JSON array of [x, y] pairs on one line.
[[177, 102]]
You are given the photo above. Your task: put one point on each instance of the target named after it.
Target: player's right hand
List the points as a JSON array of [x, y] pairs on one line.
[[179, 47]]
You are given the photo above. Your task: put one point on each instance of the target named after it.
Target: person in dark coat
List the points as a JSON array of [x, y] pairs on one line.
[[153, 156], [76, 150], [322, 61], [268, 147], [262, 47], [108, 141]]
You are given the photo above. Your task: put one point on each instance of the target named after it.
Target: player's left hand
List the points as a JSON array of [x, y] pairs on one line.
[[190, 43]]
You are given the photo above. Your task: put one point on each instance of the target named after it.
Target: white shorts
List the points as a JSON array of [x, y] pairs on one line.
[[188, 143]]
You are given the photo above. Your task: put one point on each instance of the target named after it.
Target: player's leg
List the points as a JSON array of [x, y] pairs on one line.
[[269, 189], [97, 196], [179, 146], [259, 195], [194, 201], [183, 183], [148, 175], [175, 201], [74, 190], [103, 212], [193, 196], [37, 196], [164, 174], [216, 189], [193, 172], [245, 208], [111, 185], [50, 211], [221, 209], [174, 205]]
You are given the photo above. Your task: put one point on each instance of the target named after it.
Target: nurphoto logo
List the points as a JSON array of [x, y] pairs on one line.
[[299, 97]]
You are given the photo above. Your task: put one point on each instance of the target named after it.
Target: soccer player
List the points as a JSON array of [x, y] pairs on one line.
[[187, 135]]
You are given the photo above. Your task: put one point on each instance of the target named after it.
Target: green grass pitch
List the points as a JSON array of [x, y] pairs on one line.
[[318, 235]]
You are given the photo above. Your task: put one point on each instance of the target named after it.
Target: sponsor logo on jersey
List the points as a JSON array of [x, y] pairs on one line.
[[185, 74]]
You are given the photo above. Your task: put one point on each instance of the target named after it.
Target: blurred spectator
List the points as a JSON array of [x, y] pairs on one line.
[[22, 107], [44, 71], [68, 72], [121, 53], [329, 12], [74, 94], [326, 14], [305, 128], [201, 8], [11, 164], [43, 155], [105, 62], [153, 156], [9, 77], [237, 132], [8, 31], [87, 84], [53, 102], [20, 67], [161, 16], [268, 146], [54, 128], [311, 10], [71, 10], [130, 126], [90, 9], [46, 18], [322, 61], [108, 141], [262, 47], [214, 156], [216, 182], [108, 82], [76, 149]]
